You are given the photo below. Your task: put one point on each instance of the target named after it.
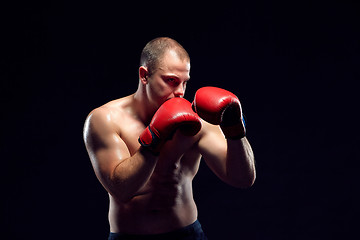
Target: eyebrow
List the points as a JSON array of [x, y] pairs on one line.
[[174, 76]]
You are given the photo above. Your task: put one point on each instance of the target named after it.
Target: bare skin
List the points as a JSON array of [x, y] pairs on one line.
[[153, 194]]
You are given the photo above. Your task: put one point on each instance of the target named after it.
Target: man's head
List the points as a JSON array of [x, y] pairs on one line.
[[153, 53], [164, 71]]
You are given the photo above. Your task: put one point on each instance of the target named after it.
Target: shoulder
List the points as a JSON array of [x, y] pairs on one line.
[[104, 118], [97, 127], [107, 113], [98, 117]]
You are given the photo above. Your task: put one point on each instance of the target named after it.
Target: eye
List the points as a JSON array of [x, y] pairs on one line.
[[172, 81]]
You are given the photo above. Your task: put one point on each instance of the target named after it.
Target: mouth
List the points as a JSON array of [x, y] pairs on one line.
[[167, 99], [173, 97]]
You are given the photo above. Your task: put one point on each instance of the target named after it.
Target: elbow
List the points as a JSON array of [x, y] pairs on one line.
[[118, 192], [121, 197], [243, 183]]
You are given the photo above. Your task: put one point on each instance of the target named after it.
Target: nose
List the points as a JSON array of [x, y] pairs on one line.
[[179, 91]]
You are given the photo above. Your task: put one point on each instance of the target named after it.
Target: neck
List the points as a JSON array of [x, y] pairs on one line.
[[142, 106]]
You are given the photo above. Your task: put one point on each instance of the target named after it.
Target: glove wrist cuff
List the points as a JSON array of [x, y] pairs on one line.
[[150, 141], [234, 132]]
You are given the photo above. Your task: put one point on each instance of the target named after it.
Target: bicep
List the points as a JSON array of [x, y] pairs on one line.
[[105, 147]]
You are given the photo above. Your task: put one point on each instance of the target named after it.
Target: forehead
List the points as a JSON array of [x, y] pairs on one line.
[[172, 63]]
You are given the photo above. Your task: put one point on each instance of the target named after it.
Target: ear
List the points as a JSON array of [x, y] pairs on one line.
[[143, 74]]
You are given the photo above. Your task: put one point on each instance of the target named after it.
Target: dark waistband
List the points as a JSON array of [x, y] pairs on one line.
[[188, 230]]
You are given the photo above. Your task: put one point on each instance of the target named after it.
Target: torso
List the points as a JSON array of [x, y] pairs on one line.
[[166, 202]]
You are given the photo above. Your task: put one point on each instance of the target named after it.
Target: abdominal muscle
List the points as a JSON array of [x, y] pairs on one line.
[[166, 202], [161, 206]]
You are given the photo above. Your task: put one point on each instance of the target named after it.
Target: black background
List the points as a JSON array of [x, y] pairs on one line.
[[293, 65]]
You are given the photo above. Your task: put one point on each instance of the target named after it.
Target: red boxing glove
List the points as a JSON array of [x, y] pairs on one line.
[[176, 113], [220, 107]]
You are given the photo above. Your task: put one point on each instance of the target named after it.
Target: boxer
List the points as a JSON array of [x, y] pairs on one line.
[[146, 148]]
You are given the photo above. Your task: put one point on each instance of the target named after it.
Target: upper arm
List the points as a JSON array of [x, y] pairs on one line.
[[105, 147]]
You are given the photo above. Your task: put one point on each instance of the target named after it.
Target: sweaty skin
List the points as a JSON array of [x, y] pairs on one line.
[[165, 202], [153, 194]]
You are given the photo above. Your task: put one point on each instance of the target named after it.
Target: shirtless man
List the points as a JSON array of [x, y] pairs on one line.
[[145, 148]]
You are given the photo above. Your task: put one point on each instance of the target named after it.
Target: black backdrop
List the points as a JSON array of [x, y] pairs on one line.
[[293, 65]]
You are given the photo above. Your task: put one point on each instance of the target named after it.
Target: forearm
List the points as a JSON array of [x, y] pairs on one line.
[[240, 163], [130, 175]]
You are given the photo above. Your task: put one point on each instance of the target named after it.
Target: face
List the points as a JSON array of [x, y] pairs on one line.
[[169, 80]]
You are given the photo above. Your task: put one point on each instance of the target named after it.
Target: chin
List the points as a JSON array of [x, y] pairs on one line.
[[165, 99]]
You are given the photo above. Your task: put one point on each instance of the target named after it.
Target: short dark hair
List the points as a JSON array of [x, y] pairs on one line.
[[154, 50]]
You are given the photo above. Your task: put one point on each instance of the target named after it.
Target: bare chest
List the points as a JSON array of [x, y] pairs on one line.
[[177, 154]]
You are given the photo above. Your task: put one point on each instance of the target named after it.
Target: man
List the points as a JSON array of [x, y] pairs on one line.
[[146, 148]]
